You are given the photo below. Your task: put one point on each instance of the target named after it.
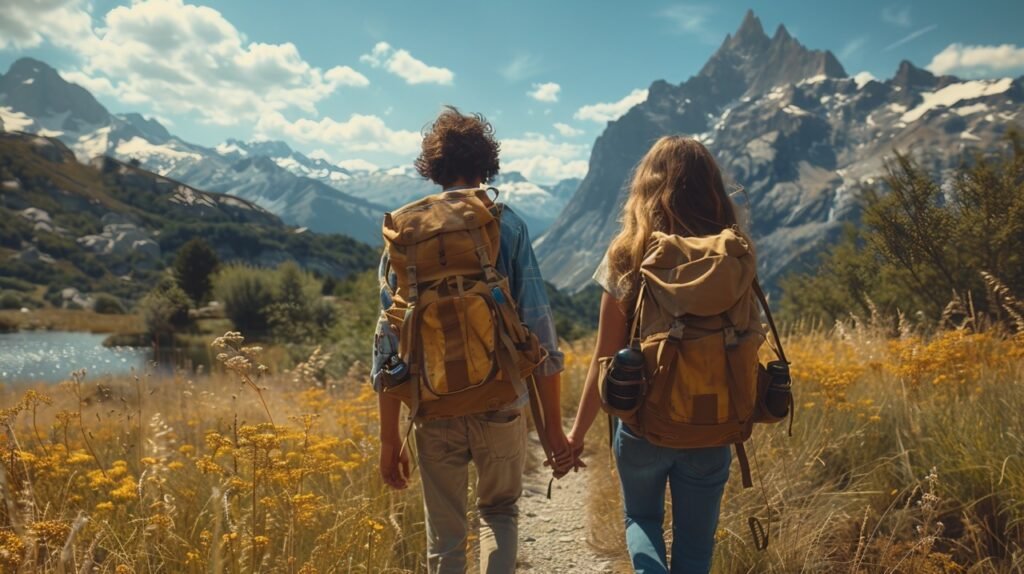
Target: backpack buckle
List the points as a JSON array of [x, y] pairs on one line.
[[731, 340], [675, 332]]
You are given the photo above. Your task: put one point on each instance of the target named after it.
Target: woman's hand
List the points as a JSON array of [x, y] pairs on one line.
[[394, 464], [576, 446]]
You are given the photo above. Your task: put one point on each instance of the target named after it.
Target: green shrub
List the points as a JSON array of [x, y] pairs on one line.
[[165, 309], [10, 300], [108, 305], [246, 293]]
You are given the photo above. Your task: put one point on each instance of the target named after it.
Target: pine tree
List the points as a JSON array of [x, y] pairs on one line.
[[193, 269]]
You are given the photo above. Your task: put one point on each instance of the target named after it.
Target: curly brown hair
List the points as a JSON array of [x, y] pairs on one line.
[[458, 146]]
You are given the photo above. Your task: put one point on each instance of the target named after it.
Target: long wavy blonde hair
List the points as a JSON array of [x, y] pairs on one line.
[[676, 188]]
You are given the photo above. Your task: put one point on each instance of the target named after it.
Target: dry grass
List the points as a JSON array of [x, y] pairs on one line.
[[176, 475], [50, 319], [907, 456], [240, 472]]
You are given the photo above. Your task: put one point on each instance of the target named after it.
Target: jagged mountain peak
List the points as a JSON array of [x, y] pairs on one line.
[[750, 62], [36, 89]]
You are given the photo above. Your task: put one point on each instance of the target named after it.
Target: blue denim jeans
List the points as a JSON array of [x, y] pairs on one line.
[[697, 479]]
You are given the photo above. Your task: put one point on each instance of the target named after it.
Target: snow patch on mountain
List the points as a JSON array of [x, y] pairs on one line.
[[954, 93]]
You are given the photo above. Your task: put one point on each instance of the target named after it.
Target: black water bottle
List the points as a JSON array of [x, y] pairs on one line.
[[780, 389], [397, 371], [625, 380]]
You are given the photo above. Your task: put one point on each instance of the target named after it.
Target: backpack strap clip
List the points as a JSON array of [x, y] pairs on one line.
[[490, 273], [675, 332], [731, 340]]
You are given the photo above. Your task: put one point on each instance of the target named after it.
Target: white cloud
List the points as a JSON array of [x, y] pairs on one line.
[[862, 78], [910, 37], [546, 92], [546, 170], [606, 112], [186, 59], [852, 47], [365, 133], [979, 61], [897, 15], [542, 159], [28, 24], [691, 20], [567, 131], [402, 64], [521, 67], [358, 165]]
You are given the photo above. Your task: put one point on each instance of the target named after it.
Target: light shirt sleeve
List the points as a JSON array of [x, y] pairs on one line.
[[530, 294]]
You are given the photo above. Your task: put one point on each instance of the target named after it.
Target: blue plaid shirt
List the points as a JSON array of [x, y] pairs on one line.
[[516, 261]]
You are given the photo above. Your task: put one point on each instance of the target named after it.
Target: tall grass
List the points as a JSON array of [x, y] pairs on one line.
[[907, 456], [181, 475]]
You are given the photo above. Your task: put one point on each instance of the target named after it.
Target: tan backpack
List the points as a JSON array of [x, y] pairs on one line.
[[698, 327], [462, 345]]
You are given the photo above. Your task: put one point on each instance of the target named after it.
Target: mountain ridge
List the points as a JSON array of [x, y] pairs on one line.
[[791, 127]]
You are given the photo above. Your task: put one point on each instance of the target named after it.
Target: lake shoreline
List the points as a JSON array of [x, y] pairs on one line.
[[68, 320]]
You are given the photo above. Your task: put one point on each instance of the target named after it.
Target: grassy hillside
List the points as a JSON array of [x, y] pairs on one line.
[[74, 202]]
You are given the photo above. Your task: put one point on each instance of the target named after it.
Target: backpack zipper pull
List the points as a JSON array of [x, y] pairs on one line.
[[444, 258]]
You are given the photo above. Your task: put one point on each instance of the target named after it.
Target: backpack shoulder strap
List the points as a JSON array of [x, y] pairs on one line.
[[771, 321]]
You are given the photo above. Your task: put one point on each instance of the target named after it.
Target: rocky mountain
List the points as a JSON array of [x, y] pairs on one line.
[[794, 130], [112, 226], [34, 98], [303, 191]]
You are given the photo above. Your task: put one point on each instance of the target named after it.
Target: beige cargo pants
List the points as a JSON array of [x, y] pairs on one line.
[[496, 443]]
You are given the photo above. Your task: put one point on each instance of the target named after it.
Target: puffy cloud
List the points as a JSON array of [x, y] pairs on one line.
[[547, 170], [567, 131], [366, 133], [979, 61], [358, 165], [182, 58], [28, 24], [546, 92], [402, 64], [606, 112], [542, 159]]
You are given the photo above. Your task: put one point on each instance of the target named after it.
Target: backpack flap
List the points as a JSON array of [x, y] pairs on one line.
[[442, 235], [701, 276]]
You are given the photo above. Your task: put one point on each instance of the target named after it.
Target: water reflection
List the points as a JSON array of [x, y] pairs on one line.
[[52, 356]]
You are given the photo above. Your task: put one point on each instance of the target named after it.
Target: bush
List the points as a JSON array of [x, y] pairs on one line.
[[108, 305], [9, 300], [297, 314], [246, 293], [165, 309]]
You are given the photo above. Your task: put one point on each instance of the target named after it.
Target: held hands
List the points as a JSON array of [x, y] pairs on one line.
[[565, 457], [394, 464]]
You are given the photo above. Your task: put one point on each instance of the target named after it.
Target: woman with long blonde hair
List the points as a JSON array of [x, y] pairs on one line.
[[677, 188]]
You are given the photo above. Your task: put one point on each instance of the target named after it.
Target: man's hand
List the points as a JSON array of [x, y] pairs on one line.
[[394, 464]]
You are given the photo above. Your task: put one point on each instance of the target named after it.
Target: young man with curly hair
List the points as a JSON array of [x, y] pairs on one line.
[[460, 152]]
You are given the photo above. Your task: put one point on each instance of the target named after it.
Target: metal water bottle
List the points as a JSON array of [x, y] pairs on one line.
[[625, 380]]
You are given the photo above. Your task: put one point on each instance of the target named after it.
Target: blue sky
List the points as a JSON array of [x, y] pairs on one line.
[[356, 81]]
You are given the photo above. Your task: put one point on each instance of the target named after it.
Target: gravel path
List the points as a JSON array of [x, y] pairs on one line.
[[553, 533]]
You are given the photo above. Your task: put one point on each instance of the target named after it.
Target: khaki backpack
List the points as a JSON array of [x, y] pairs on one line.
[[460, 337], [698, 326]]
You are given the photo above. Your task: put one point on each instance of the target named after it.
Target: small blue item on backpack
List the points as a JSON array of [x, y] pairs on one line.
[[498, 295]]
